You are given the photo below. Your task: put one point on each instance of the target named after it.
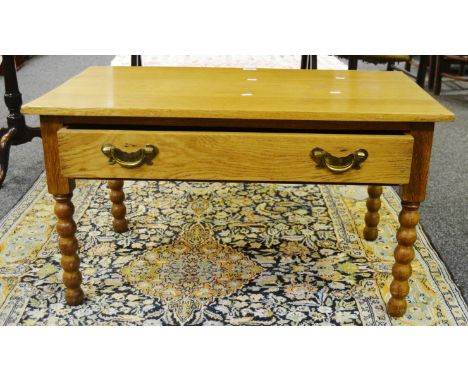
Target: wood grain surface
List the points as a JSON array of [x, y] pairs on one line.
[[235, 156], [56, 182], [229, 93]]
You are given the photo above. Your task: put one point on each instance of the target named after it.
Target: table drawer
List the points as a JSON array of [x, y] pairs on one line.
[[236, 156]]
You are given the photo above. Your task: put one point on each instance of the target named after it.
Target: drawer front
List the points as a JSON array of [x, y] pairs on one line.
[[236, 156]]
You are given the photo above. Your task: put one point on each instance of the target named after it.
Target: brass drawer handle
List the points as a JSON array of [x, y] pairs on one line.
[[129, 160], [338, 165]]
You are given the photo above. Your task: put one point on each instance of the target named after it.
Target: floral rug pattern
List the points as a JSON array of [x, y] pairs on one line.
[[218, 254]]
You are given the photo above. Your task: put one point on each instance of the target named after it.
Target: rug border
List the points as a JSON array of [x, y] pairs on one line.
[[22, 200], [422, 234]]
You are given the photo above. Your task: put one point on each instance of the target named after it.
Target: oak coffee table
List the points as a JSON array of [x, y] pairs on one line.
[[241, 125]]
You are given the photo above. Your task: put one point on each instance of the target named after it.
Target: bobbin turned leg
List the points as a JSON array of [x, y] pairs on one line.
[[68, 244], [404, 254], [372, 215], [412, 194], [117, 197]]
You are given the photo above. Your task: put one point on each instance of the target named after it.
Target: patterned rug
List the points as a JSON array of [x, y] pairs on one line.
[[218, 254], [232, 61]]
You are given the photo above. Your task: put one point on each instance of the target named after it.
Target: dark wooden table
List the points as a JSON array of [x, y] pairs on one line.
[[16, 132]]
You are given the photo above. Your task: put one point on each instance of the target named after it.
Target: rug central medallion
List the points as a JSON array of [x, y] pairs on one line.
[[192, 271]]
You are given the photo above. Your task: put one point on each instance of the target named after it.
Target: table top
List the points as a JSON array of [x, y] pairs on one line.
[[244, 93]]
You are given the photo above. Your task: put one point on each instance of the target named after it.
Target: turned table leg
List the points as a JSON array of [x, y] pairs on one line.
[[372, 215], [117, 197], [404, 254], [412, 194], [68, 244]]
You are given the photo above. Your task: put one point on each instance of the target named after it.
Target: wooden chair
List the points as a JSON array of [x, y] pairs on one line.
[[135, 60], [391, 61], [443, 66], [308, 62]]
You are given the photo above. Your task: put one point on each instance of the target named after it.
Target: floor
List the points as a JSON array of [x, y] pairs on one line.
[[444, 214]]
